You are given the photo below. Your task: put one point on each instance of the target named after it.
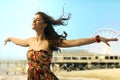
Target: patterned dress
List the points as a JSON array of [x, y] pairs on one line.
[[39, 65]]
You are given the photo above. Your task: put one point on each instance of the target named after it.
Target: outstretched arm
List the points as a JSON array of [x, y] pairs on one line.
[[86, 41], [17, 41]]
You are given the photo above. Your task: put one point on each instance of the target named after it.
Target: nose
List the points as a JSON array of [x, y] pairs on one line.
[[34, 20]]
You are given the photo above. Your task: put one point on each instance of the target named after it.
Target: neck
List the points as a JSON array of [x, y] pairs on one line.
[[40, 35]]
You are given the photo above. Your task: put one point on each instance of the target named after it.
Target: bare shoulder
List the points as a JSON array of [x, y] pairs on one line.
[[31, 38], [28, 40]]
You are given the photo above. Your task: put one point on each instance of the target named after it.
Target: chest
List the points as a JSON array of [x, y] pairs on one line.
[[38, 45]]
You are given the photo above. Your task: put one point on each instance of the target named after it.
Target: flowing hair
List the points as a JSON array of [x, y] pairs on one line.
[[51, 35]]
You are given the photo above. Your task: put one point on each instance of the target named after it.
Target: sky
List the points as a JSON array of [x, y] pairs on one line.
[[88, 18]]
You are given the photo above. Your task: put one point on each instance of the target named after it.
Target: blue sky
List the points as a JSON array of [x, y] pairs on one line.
[[88, 16]]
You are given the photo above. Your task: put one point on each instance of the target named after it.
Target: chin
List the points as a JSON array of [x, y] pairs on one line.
[[33, 27]]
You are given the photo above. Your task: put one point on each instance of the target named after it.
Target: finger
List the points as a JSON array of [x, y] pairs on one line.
[[5, 42], [105, 42], [113, 39]]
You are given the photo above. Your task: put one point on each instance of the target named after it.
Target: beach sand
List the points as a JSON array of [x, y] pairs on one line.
[[103, 74], [13, 77]]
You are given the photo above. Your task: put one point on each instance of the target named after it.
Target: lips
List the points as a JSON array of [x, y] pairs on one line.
[[33, 24]]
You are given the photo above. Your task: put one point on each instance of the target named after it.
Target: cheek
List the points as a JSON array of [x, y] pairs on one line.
[[33, 27], [41, 24]]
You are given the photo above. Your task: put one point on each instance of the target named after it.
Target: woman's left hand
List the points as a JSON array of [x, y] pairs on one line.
[[106, 40]]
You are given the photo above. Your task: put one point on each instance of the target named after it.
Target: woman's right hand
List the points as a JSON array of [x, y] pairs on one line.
[[6, 40]]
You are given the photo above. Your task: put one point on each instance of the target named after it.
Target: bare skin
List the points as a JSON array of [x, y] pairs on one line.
[[39, 42]]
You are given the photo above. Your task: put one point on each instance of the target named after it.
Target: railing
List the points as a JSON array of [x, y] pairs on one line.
[[13, 66]]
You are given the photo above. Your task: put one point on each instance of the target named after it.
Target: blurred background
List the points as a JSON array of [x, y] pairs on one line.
[[89, 18]]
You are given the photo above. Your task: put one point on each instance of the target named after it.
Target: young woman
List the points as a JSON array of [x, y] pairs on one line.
[[46, 41]]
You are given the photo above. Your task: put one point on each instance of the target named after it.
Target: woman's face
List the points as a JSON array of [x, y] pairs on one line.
[[38, 22]]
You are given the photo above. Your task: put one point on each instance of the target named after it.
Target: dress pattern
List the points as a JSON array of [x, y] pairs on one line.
[[39, 65]]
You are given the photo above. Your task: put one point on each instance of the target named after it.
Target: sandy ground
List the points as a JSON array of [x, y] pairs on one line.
[[13, 77], [104, 74]]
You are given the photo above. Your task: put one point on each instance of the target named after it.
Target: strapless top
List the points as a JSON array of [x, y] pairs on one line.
[[39, 65], [39, 59]]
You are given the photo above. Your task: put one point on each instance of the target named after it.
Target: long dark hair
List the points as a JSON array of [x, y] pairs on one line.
[[51, 35]]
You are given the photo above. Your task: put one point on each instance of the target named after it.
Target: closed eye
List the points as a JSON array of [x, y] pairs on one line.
[[38, 20]]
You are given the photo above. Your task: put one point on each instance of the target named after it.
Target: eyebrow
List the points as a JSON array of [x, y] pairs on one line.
[[36, 18]]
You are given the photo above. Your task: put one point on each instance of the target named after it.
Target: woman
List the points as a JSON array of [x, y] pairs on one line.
[[45, 42]]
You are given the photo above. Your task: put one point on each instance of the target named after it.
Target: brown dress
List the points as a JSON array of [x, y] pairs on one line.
[[39, 65]]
